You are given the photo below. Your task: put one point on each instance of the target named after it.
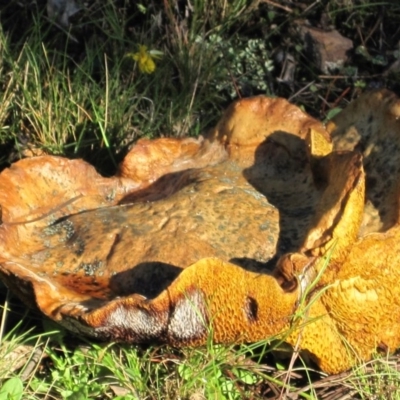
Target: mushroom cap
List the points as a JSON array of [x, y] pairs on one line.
[[231, 234]]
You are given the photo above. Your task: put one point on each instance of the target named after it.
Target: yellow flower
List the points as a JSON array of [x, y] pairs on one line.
[[145, 59]]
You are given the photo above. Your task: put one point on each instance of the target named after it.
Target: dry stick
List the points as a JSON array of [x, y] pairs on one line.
[[286, 382], [33, 372], [301, 90], [296, 349], [323, 100], [237, 90], [323, 108], [374, 28], [273, 388], [187, 118], [311, 6], [33, 363], [327, 381], [360, 35], [339, 99], [347, 77], [347, 396], [277, 5]]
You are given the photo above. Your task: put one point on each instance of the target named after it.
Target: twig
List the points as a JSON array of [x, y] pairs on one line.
[[301, 90], [347, 77], [277, 5], [327, 381], [339, 99], [371, 32], [237, 90], [33, 363], [286, 383]]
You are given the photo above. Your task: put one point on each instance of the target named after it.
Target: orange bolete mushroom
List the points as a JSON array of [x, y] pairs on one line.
[[270, 225]]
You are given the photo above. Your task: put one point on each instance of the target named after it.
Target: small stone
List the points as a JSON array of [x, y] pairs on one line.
[[328, 49]]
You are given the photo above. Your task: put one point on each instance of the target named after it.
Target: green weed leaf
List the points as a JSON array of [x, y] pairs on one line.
[[332, 112], [12, 389], [245, 376]]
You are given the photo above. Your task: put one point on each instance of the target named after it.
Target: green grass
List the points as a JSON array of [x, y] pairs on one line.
[[40, 360], [71, 369], [56, 365], [79, 93]]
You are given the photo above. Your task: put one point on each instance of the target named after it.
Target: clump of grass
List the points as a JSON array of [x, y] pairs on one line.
[[75, 92], [58, 366], [378, 379], [89, 99]]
